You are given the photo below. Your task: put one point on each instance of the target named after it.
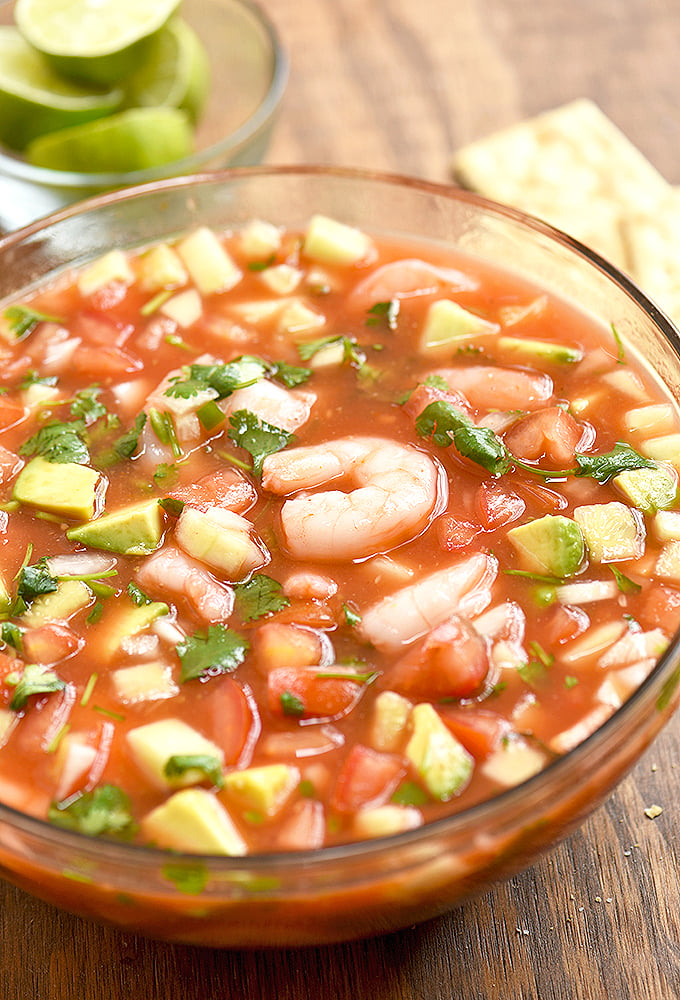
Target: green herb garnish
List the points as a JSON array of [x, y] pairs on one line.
[[23, 320], [105, 810], [59, 442], [34, 679], [257, 436], [258, 597], [217, 651], [209, 766]]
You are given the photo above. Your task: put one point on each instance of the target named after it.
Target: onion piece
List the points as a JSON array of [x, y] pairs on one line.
[[80, 564]]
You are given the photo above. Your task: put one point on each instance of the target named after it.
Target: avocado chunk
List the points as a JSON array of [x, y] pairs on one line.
[[391, 714], [154, 744], [550, 545], [61, 604], [612, 531], [333, 242], [193, 820], [447, 323], [442, 762], [131, 620], [58, 487], [265, 789], [541, 350], [133, 531], [222, 539], [649, 489]]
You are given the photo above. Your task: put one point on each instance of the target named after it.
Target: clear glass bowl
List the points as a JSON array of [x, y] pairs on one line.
[[249, 72], [364, 888]]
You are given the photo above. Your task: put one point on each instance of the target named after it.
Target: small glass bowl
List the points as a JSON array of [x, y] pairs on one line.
[[249, 72], [372, 887]]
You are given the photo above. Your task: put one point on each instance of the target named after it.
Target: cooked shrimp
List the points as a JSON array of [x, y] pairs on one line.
[[285, 408], [398, 489], [462, 589], [489, 388], [403, 279], [170, 570]]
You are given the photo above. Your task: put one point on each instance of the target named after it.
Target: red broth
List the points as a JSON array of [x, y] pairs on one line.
[[310, 538]]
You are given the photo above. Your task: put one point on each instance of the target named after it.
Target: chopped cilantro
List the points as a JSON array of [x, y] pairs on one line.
[[410, 794], [306, 789], [105, 810], [32, 378], [12, 635], [445, 424], [289, 375], [172, 506], [164, 471], [261, 265], [163, 427], [602, 467], [547, 659], [387, 311], [23, 320], [155, 302], [189, 879], [257, 436], [35, 580], [620, 350], [532, 672], [222, 378], [85, 404], [137, 596], [258, 597], [351, 617], [218, 651], [352, 355], [291, 704], [623, 582], [209, 766], [570, 682], [59, 442], [343, 675], [34, 679], [89, 688], [124, 446], [96, 613]]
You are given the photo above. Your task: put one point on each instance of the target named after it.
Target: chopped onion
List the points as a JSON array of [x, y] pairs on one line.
[[80, 564]]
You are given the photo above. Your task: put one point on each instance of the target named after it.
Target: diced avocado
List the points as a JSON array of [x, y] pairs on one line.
[[149, 681], [136, 530], [514, 762], [333, 242], [207, 261], [384, 821], [612, 531], [120, 625], [665, 448], [442, 762], [666, 525], [391, 714], [193, 820], [60, 605], [154, 744], [447, 323], [58, 487], [260, 239], [185, 308], [541, 350], [668, 562], [113, 266], [649, 489], [221, 539], [159, 268], [265, 789], [551, 545]]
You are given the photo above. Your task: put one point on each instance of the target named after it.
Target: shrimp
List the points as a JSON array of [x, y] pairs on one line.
[[462, 589], [398, 490], [170, 570], [285, 408], [403, 279], [489, 388]]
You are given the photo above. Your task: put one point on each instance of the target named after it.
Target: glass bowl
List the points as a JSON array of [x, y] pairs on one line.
[[249, 72], [372, 887]]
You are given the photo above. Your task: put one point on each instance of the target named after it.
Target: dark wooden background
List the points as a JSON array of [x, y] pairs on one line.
[[398, 85]]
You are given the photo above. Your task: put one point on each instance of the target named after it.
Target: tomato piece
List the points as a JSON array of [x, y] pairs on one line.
[[423, 395], [51, 643], [229, 718], [317, 697], [661, 608], [366, 778], [96, 329], [9, 463], [8, 665], [479, 730], [223, 488], [563, 623], [496, 506], [104, 362], [550, 435], [304, 828], [451, 662], [454, 534], [278, 644], [10, 412]]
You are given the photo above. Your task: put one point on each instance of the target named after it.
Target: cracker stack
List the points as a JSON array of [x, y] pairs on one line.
[[576, 170]]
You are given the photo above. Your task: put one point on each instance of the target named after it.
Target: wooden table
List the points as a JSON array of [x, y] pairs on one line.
[[397, 85]]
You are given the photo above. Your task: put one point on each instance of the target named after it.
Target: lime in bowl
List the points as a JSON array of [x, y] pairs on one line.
[[163, 88]]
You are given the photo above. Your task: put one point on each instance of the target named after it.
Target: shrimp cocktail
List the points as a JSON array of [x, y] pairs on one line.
[[314, 536]]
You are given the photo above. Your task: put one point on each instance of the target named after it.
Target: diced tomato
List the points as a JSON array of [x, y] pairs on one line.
[[550, 435], [423, 395], [497, 506], [278, 644], [479, 730], [454, 534], [229, 718], [51, 643], [317, 697], [661, 608], [451, 662], [109, 296], [10, 412], [104, 362], [304, 827], [9, 463], [366, 778], [8, 665], [563, 622], [44, 717], [223, 488], [96, 329]]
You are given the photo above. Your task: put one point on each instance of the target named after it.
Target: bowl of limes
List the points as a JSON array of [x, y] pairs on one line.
[[102, 95]]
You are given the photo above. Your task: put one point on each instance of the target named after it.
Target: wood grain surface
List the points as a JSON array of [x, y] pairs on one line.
[[398, 85]]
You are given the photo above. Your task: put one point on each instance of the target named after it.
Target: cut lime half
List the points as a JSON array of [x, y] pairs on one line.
[[175, 73], [138, 139], [34, 100], [100, 41]]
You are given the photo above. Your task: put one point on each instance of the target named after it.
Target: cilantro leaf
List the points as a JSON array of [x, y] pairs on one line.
[[32, 378], [189, 879], [258, 597], [387, 311], [257, 436], [352, 355], [12, 635], [137, 596], [291, 704], [35, 580], [353, 618], [105, 810], [23, 319], [289, 375], [623, 582], [219, 651], [86, 405], [602, 467], [222, 378], [178, 765], [446, 425], [34, 679], [59, 442], [124, 446]]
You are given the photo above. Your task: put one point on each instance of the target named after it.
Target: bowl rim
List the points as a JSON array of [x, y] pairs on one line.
[[232, 144], [657, 688]]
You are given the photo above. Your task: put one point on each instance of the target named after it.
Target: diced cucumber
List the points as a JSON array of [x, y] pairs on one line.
[[260, 239], [514, 762], [594, 641], [112, 267], [221, 539], [626, 381], [193, 820], [649, 489], [282, 279], [612, 531], [297, 317], [210, 266], [123, 620], [442, 762], [61, 604], [447, 323], [151, 681], [160, 268], [333, 242], [663, 449], [540, 350], [58, 487], [266, 789], [185, 308], [656, 418], [666, 525], [668, 562]]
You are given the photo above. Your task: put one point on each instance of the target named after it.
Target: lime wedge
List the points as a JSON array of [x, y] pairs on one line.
[[34, 100], [174, 74], [137, 139], [100, 41]]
